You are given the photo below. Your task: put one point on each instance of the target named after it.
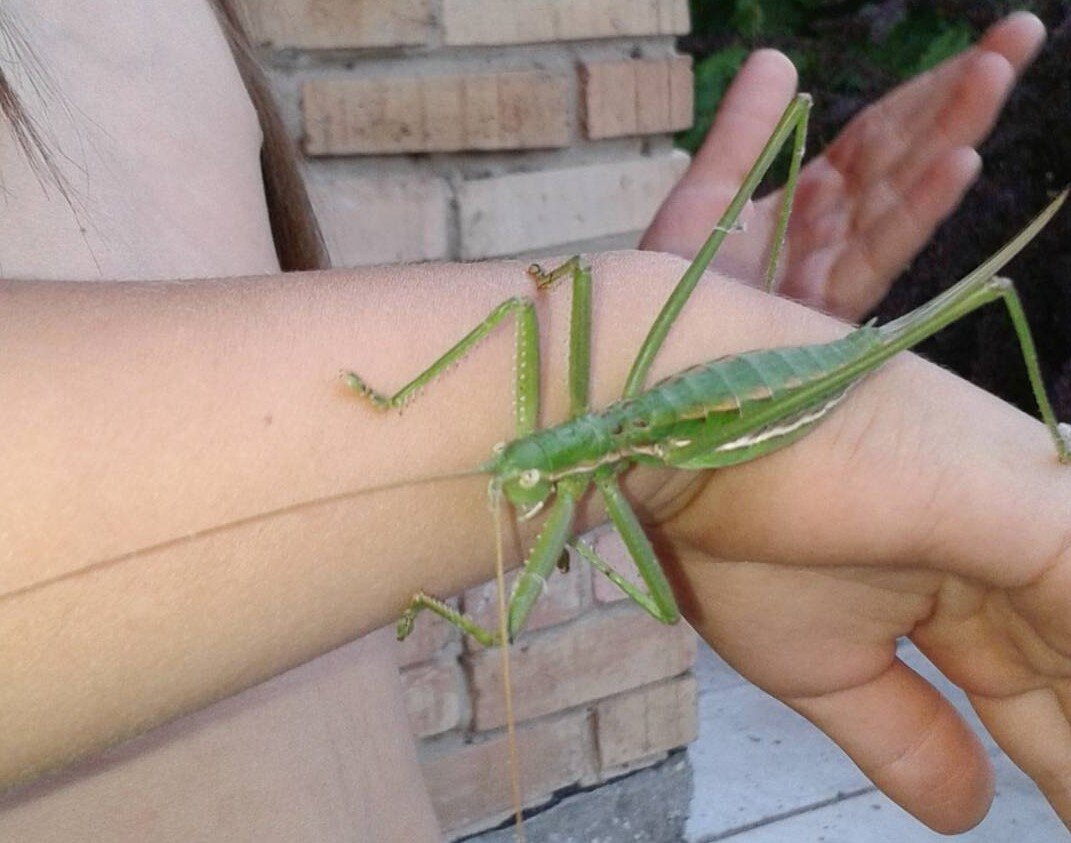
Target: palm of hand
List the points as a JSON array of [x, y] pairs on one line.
[[826, 646]]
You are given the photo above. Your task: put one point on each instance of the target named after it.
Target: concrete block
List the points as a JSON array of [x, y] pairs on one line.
[[523, 212], [470, 786], [650, 806]]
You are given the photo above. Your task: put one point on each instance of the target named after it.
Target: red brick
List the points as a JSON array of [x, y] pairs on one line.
[[470, 786], [533, 21], [644, 723], [433, 697], [562, 600], [637, 96], [339, 24], [444, 113], [601, 654]]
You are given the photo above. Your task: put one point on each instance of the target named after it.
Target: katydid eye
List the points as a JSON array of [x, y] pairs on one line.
[[528, 478]]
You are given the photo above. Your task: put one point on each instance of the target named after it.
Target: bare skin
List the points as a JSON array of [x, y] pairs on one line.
[[182, 406], [162, 195]]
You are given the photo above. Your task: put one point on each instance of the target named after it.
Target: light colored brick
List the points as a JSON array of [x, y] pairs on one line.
[[430, 634], [601, 654], [470, 786], [369, 220], [432, 697], [636, 96], [609, 546], [524, 109], [339, 24], [645, 722], [524, 212], [532, 21], [562, 600]]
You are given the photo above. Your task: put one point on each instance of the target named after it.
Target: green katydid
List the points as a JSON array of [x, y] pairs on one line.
[[714, 415]]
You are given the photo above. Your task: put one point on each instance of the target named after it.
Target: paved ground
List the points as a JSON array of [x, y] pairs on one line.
[[761, 774]]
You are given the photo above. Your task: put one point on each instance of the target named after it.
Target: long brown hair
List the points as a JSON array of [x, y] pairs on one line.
[[298, 241]]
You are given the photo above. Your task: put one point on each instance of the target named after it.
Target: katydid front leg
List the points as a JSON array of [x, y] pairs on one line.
[[556, 530]]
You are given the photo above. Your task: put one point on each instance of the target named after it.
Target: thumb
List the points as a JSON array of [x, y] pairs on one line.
[[910, 741]]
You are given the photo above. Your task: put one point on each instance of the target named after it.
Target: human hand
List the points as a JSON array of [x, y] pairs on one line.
[[868, 203], [895, 518]]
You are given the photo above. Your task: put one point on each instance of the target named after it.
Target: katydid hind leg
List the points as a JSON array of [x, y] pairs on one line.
[[795, 114], [799, 144], [1061, 432]]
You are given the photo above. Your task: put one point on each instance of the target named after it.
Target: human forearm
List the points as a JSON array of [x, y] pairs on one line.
[[141, 414]]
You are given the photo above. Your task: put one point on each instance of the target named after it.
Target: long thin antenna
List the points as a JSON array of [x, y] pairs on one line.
[[244, 521], [504, 642]]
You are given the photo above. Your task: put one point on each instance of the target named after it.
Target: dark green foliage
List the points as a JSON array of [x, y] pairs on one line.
[[849, 53]]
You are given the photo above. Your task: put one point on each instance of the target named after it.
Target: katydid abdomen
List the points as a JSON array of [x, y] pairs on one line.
[[705, 408]]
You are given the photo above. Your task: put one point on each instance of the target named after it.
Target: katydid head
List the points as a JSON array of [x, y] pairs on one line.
[[518, 471]]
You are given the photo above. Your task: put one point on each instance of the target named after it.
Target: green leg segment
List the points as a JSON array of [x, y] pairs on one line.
[[798, 144], [526, 388], [1061, 433], [790, 121], [550, 544], [659, 600], [579, 327], [545, 554], [463, 622]]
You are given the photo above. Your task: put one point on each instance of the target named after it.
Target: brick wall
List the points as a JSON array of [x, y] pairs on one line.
[[466, 129]]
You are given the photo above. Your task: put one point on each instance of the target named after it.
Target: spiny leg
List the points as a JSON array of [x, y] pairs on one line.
[[529, 585], [788, 195], [979, 287], [1061, 432], [545, 553], [422, 601], [658, 601], [550, 544], [526, 387], [526, 412], [579, 327], [794, 115]]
